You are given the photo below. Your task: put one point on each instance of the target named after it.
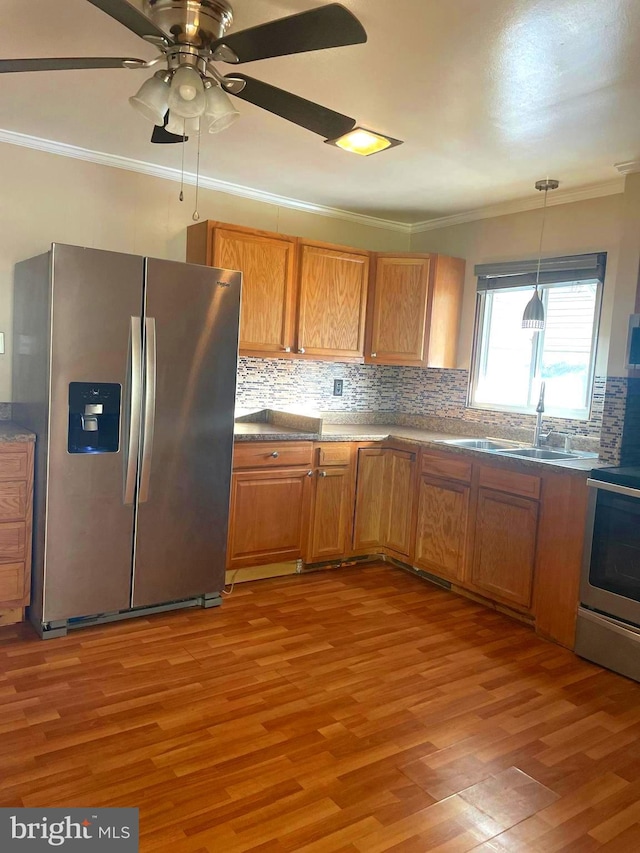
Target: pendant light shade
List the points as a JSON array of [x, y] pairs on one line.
[[219, 112], [186, 96], [152, 98], [533, 317]]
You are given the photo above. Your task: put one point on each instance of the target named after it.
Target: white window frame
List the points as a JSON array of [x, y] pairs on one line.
[[481, 343]]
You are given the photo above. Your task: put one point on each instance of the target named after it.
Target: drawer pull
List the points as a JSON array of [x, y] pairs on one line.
[[309, 473], [275, 454], [322, 473]]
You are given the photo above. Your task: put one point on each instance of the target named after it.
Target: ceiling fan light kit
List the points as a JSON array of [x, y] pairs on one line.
[[190, 94], [152, 99], [364, 142]]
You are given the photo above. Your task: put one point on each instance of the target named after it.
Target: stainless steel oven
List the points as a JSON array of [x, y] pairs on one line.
[[608, 628]]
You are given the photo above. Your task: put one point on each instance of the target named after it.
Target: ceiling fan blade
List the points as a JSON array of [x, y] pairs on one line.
[[317, 29], [161, 135], [56, 64], [307, 114], [132, 19]]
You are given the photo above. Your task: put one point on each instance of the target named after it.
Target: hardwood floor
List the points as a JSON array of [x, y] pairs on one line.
[[351, 711]]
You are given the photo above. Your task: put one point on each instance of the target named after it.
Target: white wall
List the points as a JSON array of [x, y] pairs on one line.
[[47, 198], [595, 225]]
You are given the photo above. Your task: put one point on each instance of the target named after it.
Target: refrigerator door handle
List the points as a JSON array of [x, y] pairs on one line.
[[149, 406], [135, 385]]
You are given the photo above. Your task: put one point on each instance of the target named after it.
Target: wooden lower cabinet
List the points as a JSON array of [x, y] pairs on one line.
[[16, 509], [331, 513], [369, 526], [505, 547], [384, 501], [441, 527], [268, 516], [400, 475]]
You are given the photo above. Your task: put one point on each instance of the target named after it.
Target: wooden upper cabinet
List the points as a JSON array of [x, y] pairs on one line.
[[414, 310], [332, 294], [267, 263]]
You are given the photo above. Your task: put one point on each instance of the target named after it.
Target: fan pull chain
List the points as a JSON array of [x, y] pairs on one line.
[[196, 215], [184, 142]]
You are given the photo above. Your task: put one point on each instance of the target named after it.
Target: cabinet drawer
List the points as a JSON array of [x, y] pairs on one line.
[[13, 500], [13, 466], [333, 454], [512, 482], [449, 469], [272, 454], [11, 582], [12, 544]]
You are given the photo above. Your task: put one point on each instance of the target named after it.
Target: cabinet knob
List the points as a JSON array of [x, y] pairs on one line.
[[302, 350], [286, 349], [275, 454], [322, 473], [374, 355], [309, 473]]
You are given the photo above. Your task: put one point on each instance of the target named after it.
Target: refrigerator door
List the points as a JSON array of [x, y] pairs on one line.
[[89, 527], [191, 351]]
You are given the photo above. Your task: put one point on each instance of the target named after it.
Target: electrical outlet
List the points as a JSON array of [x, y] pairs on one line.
[[338, 385]]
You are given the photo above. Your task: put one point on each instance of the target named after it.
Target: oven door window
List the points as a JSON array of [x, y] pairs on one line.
[[615, 556]]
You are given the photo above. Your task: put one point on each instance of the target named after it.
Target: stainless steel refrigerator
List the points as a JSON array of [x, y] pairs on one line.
[[125, 368]]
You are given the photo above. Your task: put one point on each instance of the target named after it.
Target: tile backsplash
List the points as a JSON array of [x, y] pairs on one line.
[[415, 391], [276, 382]]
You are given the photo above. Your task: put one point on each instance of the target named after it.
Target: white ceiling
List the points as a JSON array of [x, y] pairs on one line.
[[489, 95]]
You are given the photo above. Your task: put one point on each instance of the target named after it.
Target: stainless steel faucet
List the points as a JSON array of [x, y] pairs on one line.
[[538, 435]]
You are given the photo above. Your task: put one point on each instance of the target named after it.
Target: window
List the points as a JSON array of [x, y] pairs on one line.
[[510, 362]]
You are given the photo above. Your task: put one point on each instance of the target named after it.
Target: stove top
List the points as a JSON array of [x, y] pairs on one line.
[[625, 476]]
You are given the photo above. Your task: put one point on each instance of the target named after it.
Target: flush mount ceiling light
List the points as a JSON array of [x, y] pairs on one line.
[[364, 142], [533, 317], [192, 38]]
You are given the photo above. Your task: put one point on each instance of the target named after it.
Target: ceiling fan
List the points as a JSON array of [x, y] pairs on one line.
[[189, 93]]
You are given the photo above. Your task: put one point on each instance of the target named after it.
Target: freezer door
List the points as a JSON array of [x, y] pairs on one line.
[[191, 350], [89, 527]]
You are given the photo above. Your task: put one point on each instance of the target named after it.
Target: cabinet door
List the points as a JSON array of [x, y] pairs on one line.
[[269, 515], [505, 546], [443, 510], [369, 528], [400, 468], [331, 514], [267, 306], [332, 302], [399, 319]]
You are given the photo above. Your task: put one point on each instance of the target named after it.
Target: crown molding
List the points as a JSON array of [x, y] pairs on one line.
[[628, 167], [153, 170], [520, 205]]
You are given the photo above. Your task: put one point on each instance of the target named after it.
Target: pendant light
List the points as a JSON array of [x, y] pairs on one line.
[[533, 317]]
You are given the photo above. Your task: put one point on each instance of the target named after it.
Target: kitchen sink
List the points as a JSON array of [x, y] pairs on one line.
[[539, 453], [476, 443]]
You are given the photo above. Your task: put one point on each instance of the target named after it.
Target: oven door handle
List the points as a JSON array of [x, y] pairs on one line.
[[614, 487]]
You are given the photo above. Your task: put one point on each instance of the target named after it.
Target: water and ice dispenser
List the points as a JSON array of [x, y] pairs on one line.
[[94, 417]]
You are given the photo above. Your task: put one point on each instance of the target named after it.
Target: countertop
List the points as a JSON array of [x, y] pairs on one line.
[[390, 432], [10, 431]]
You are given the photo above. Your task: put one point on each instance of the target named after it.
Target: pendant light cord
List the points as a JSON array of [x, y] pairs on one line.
[[544, 216]]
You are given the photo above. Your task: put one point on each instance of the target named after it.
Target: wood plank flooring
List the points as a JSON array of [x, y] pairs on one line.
[[350, 711]]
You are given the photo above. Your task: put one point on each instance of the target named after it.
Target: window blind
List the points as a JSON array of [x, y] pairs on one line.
[[498, 276]]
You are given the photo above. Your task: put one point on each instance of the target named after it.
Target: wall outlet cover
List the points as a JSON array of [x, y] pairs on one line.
[[338, 386]]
